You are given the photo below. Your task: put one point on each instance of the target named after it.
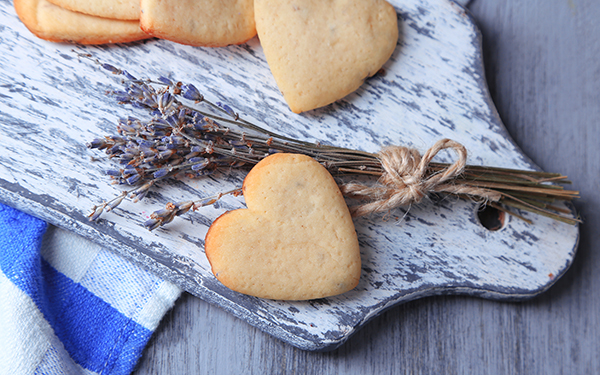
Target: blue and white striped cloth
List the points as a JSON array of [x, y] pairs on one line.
[[68, 306]]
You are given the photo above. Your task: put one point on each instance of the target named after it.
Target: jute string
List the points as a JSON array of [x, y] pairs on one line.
[[405, 180]]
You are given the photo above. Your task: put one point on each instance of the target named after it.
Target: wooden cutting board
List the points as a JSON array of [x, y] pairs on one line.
[[52, 103]]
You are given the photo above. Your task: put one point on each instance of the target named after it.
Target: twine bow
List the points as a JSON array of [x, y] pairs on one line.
[[405, 179]]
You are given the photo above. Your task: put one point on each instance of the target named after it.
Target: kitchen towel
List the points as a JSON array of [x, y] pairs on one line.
[[68, 306]]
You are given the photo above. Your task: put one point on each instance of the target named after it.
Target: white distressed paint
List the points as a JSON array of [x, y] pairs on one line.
[[52, 104]]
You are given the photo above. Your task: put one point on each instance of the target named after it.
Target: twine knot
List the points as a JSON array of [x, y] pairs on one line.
[[406, 181]]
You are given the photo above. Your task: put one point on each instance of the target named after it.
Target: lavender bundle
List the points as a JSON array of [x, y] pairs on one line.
[[186, 134]]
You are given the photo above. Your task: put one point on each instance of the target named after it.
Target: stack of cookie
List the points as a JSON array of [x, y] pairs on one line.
[[318, 50], [197, 23], [82, 21]]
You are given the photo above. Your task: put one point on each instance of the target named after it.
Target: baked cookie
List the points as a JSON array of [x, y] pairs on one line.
[[56, 24], [208, 23], [114, 9], [296, 240], [322, 50]]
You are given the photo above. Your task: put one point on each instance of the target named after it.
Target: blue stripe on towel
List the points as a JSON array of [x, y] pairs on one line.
[[83, 323], [96, 335], [20, 250]]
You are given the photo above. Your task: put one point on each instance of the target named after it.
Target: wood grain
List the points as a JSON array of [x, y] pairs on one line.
[[433, 87], [541, 65]]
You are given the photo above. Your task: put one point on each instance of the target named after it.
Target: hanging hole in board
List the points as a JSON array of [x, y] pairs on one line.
[[491, 218]]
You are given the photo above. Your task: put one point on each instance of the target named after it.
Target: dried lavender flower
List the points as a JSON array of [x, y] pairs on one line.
[[187, 134], [171, 210]]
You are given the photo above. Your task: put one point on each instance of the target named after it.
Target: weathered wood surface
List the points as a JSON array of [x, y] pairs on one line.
[[541, 59], [52, 106]]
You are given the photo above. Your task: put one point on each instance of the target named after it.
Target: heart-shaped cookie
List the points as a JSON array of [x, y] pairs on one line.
[[322, 50], [296, 240]]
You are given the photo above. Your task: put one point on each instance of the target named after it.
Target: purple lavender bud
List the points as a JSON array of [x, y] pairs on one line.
[[122, 96], [171, 139], [238, 144], [230, 111], [149, 102], [149, 158], [197, 160], [130, 170], [97, 211], [152, 224], [198, 119], [147, 91], [145, 143], [111, 69], [183, 207], [135, 91], [169, 217], [170, 150], [162, 213], [199, 166], [133, 179], [117, 201], [140, 193], [172, 121], [182, 114], [145, 151], [206, 202], [127, 128], [98, 143], [123, 99], [113, 172], [165, 101], [131, 149], [165, 81], [160, 173], [138, 196], [115, 150], [190, 92], [131, 153], [128, 76], [125, 158]]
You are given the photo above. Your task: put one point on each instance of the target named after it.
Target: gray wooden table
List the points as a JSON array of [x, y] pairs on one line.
[[543, 68]]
